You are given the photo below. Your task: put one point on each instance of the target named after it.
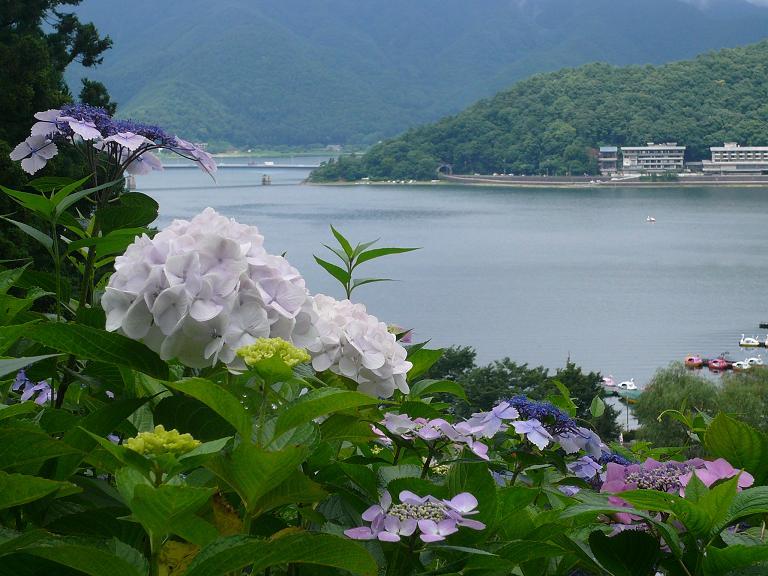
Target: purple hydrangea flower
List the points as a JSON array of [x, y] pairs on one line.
[[585, 468], [434, 518], [34, 153], [548, 414], [534, 432], [40, 392], [607, 457]]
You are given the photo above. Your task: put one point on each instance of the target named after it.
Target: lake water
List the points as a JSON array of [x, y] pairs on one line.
[[539, 275]]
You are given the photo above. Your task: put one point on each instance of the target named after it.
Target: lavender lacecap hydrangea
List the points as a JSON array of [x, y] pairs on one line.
[[127, 144]]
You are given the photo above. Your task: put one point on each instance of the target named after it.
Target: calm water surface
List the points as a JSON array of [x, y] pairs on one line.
[[538, 275]]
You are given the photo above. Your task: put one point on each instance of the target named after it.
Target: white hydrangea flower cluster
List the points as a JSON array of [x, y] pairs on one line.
[[201, 289], [347, 340]]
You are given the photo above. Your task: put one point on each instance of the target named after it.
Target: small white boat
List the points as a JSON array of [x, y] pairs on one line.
[[742, 365], [628, 384], [747, 342], [650, 219], [755, 360], [609, 381]]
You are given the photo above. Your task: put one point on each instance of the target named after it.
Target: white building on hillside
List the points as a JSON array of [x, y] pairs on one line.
[[653, 158], [730, 158]]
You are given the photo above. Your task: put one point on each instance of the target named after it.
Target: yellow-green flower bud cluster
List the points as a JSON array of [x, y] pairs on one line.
[[162, 441], [265, 348]]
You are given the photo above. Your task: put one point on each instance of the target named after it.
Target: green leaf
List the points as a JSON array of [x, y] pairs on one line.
[[68, 188], [296, 489], [422, 360], [252, 472], [66, 197], [520, 551], [37, 203], [629, 553], [319, 403], [113, 243], [9, 278], [741, 445], [340, 253], [337, 272], [94, 344], [364, 281], [49, 183], [476, 479], [13, 365], [17, 410], [719, 561], [747, 503], [159, 509], [18, 489], [233, 553], [135, 210], [23, 446], [597, 407], [343, 242], [343, 427], [87, 557], [218, 399], [100, 423], [379, 252], [429, 387], [44, 239]]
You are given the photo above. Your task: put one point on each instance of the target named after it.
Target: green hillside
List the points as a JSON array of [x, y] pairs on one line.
[[299, 72], [551, 123]]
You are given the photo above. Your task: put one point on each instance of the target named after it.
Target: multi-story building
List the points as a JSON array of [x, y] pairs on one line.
[[608, 160], [653, 158], [730, 158]]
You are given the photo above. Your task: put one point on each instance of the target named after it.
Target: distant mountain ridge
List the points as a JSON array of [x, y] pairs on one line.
[[552, 123], [299, 72]]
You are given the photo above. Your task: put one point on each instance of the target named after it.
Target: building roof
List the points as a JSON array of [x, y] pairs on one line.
[[739, 148], [654, 147], [609, 149]]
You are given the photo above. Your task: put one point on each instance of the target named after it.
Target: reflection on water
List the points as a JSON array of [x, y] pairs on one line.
[[539, 275]]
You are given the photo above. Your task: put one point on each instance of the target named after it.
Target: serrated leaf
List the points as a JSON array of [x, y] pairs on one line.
[[232, 553], [159, 509], [22, 446], [95, 344], [629, 553], [741, 445], [13, 365], [422, 360], [19, 489], [218, 399], [319, 403], [427, 387], [296, 489], [252, 472]]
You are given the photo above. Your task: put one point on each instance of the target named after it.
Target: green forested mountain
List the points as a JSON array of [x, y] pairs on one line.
[[552, 123], [266, 72]]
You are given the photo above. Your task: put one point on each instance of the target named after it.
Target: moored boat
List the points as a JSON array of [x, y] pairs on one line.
[[718, 364], [694, 361]]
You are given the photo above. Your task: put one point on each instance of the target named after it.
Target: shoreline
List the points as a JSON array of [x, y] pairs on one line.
[[562, 182]]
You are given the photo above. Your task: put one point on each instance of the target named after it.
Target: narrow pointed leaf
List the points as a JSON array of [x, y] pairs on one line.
[[379, 252], [44, 239], [336, 271], [343, 242]]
